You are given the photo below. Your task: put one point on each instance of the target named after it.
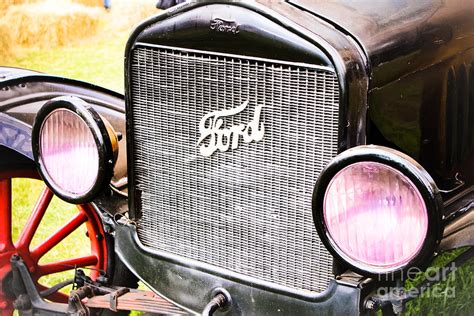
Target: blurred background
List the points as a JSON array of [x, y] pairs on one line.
[[74, 38], [81, 39]]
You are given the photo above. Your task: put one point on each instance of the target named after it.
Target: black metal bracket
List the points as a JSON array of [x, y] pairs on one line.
[[115, 295], [30, 302], [28, 298], [75, 306]]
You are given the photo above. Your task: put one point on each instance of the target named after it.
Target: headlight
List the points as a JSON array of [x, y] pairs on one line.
[[377, 210], [74, 148]]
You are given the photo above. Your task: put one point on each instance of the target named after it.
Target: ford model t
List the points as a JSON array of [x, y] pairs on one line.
[[269, 158]]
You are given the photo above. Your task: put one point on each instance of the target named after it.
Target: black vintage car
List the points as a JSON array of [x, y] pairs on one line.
[[270, 158]]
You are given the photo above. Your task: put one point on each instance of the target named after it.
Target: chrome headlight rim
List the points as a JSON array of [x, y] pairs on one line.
[[102, 138], [409, 168]]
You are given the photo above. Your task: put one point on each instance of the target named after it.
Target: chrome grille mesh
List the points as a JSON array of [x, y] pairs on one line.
[[249, 209]]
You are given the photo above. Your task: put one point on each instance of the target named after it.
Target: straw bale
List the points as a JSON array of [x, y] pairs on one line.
[[6, 43], [5, 4], [50, 23], [90, 3], [141, 9]]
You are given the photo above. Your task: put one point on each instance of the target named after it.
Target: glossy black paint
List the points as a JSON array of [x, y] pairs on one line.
[[178, 277], [102, 139], [390, 58], [266, 30], [16, 136], [410, 168], [406, 69], [421, 61], [269, 32], [254, 35], [459, 230]]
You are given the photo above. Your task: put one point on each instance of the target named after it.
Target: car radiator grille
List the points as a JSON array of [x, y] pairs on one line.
[[247, 210]]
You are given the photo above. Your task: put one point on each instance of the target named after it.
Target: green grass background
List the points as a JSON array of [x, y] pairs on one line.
[[100, 60], [75, 245]]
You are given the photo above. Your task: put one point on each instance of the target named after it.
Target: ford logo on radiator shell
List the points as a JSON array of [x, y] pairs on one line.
[[216, 137], [223, 26]]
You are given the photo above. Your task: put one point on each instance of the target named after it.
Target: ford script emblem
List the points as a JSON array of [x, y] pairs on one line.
[[215, 137], [220, 25]]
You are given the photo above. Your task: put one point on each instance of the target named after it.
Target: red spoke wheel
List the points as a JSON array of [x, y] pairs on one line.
[[86, 214]]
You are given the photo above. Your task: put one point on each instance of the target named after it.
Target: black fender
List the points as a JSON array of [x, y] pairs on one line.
[[23, 92]]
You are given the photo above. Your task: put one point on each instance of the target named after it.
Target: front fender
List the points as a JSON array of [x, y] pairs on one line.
[[23, 93]]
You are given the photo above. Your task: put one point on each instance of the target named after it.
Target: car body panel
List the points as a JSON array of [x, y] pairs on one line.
[[421, 59]]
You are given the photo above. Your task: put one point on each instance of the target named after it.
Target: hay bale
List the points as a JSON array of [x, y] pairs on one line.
[[50, 23], [135, 11], [90, 3], [5, 4], [145, 9], [6, 43], [126, 14]]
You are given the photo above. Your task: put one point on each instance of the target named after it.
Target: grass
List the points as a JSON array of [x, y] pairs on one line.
[[100, 60], [25, 193], [453, 296]]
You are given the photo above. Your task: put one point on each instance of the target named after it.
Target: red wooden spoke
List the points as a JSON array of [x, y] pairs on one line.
[[5, 215], [59, 235], [65, 265], [87, 214], [35, 218]]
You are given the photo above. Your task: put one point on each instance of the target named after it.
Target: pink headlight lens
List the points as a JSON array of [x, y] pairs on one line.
[[375, 215], [69, 152]]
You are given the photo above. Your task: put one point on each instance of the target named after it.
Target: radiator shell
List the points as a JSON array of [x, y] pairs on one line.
[[247, 210]]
